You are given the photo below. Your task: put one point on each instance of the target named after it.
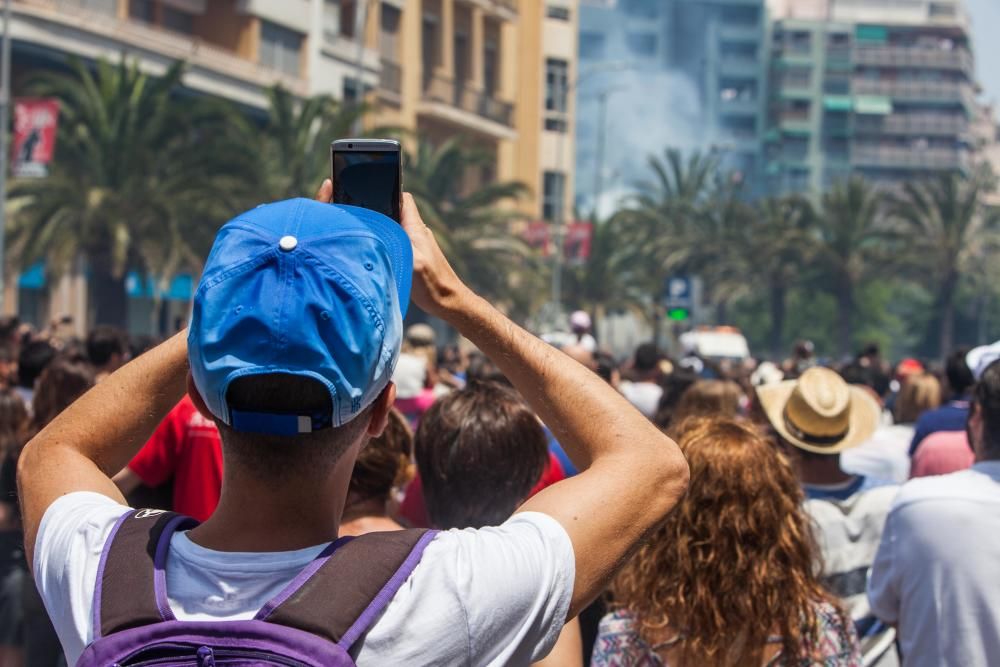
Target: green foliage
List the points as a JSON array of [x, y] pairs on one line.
[[473, 224], [143, 176]]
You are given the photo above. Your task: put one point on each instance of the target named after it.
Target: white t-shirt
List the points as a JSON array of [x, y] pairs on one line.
[[886, 455], [494, 596], [645, 396], [937, 571]]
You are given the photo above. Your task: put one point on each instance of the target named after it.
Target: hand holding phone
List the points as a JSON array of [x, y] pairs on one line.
[[368, 173]]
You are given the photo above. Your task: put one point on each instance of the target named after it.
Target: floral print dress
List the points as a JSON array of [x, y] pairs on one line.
[[619, 644]]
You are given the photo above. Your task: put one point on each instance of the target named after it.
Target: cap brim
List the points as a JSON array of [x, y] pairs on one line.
[[979, 358], [863, 420]]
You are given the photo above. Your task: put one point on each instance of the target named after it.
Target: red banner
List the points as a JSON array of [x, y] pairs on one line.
[[35, 122], [577, 241]]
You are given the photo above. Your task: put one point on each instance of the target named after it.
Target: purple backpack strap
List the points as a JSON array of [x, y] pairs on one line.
[[345, 590], [131, 588]]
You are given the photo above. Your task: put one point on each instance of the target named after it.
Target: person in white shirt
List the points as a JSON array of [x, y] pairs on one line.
[[642, 390], [492, 596], [936, 575]]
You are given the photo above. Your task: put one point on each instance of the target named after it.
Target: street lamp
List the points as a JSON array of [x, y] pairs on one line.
[[560, 217], [4, 125]]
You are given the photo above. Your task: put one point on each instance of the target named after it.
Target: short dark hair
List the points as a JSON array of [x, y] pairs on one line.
[[103, 342], [384, 462], [281, 457], [32, 360], [987, 397], [479, 451], [647, 356], [959, 375]]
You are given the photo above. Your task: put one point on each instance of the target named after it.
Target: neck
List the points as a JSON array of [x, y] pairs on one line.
[[276, 515], [821, 470], [368, 507]]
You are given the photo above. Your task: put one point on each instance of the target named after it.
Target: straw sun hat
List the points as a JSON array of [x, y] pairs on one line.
[[820, 412]]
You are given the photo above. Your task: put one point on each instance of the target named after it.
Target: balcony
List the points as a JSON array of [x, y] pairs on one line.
[[740, 106], [746, 67], [89, 33], [390, 81], [918, 159], [927, 125], [907, 56], [740, 32], [460, 104], [918, 91]]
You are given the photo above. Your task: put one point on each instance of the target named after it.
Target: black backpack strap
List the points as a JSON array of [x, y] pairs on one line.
[[131, 588], [343, 592]]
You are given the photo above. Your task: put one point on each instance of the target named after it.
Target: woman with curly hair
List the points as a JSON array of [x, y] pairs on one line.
[[730, 577]]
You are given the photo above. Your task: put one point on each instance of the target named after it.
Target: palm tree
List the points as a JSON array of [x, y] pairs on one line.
[[610, 277], [946, 227], [776, 245], [293, 146], [143, 175], [849, 242], [472, 225], [665, 216]]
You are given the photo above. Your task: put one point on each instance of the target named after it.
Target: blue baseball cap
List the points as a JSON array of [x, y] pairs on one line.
[[303, 288]]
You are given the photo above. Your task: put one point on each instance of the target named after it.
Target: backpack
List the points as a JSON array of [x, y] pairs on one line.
[[314, 621]]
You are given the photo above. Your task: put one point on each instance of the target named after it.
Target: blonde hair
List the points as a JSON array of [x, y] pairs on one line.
[[919, 393], [735, 561]]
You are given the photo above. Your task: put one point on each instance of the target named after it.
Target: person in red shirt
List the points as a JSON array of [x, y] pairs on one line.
[[186, 447]]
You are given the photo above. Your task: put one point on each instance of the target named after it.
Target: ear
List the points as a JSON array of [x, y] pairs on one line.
[[196, 398], [380, 412]]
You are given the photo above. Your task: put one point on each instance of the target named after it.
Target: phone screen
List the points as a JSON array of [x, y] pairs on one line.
[[369, 179]]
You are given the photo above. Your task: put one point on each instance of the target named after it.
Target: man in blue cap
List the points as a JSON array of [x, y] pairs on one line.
[[296, 327]]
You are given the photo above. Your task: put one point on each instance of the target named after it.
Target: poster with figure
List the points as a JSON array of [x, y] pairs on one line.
[[35, 122]]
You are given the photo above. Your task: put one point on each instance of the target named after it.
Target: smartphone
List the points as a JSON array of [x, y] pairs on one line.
[[368, 173]]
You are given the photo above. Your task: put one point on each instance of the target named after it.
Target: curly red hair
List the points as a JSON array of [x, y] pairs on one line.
[[735, 562]]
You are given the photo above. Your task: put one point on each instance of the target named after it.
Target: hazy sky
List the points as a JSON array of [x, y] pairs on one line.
[[985, 28]]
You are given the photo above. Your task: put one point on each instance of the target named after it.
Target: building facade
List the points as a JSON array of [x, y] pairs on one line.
[[701, 62], [494, 72], [879, 88]]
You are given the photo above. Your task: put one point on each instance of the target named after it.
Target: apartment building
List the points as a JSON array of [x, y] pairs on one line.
[[494, 72], [705, 63], [880, 88]]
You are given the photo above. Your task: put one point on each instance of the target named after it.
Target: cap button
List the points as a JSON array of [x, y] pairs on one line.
[[288, 243]]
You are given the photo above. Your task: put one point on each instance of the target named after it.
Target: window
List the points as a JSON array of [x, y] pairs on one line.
[[797, 77], [491, 58], [556, 84], [553, 195], [388, 36], [837, 83], [141, 10], [645, 9], [641, 43], [280, 48], [346, 15], [740, 16], [100, 6], [557, 12], [462, 43], [592, 45], [178, 21]]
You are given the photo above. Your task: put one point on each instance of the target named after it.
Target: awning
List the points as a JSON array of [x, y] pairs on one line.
[[873, 105]]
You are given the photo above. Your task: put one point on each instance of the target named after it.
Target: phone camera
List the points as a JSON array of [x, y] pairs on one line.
[[350, 145]]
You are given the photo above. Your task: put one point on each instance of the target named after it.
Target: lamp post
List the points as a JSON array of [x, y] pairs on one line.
[[559, 226], [4, 125]]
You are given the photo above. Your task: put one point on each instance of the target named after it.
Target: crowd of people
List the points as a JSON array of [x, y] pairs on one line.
[[826, 514]]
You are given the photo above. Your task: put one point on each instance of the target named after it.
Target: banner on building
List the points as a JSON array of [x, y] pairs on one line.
[[538, 236], [577, 242], [35, 123]]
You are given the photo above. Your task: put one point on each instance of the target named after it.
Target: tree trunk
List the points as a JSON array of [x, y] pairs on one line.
[[722, 312], [777, 298], [109, 296], [946, 307], [845, 317]]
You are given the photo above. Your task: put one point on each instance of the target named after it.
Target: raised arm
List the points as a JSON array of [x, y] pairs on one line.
[[100, 433], [632, 475]]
